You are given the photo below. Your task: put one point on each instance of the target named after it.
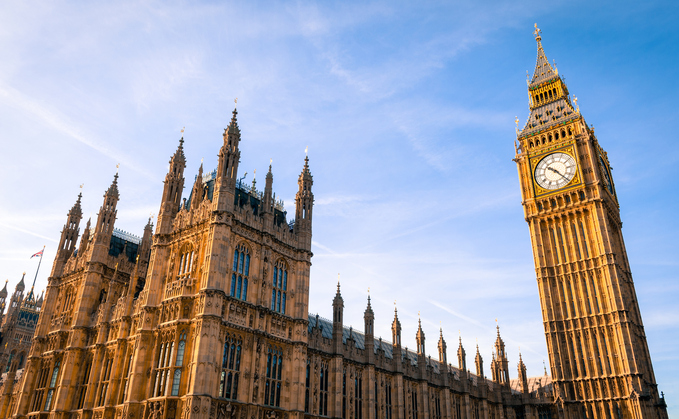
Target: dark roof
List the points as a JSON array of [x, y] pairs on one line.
[[548, 115], [359, 341]]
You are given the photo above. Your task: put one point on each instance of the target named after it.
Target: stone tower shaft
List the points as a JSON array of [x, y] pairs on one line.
[[595, 336]]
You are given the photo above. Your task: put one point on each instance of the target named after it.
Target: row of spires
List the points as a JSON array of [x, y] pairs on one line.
[[499, 363]]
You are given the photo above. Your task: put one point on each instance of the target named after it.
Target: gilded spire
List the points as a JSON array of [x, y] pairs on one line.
[[543, 70]]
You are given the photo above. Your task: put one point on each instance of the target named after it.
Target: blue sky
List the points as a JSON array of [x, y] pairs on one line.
[[408, 112]]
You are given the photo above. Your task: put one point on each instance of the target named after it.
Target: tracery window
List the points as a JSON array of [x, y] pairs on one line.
[[52, 385], [413, 402], [179, 363], [228, 381], [241, 272], [436, 405], [126, 378], [186, 262], [163, 368], [344, 394], [83, 384], [308, 386], [387, 400], [280, 287], [358, 396], [323, 397], [274, 370], [103, 383]]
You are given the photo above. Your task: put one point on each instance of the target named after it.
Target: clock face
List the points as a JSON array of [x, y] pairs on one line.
[[555, 171], [606, 176]]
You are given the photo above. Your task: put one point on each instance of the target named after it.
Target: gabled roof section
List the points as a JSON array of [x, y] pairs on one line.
[[543, 70]]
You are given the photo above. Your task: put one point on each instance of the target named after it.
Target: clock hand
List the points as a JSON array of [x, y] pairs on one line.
[[557, 172]]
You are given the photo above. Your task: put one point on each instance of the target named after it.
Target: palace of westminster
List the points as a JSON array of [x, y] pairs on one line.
[[207, 316]]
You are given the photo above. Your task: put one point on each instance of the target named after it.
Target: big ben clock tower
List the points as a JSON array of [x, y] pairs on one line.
[[601, 366]]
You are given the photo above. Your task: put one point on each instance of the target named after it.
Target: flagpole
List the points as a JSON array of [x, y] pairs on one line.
[[36, 271]]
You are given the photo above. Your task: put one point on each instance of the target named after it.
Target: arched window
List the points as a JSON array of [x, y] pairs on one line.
[[163, 369], [241, 272], [280, 287], [185, 262], [323, 398], [53, 384], [358, 395], [308, 386], [179, 362], [274, 370], [228, 381]]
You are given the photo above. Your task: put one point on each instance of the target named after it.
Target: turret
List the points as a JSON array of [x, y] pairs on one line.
[[85, 239], [107, 214], [3, 298], [337, 316], [69, 236], [419, 338], [197, 192], [443, 349], [267, 199], [461, 357], [523, 378], [396, 333], [478, 360], [227, 168], [369, 330], [304, 203], [500, 364], [172, 190]]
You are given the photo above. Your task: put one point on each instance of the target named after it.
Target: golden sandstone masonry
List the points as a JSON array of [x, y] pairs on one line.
[[208, 316]]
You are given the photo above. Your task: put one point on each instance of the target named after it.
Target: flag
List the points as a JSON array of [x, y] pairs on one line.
[[38, 254]]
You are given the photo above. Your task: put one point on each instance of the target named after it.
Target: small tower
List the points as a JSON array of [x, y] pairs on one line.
[[107, 214], [197, 192], [419, 337], [478, 360], [369, 330], [523, 378], [396, 333], [461, 357], [227, 168], [85, 239], [172, 190], [69, 236], [500, 364], [337, 325], [3, 298], [304, 202], [267, 199], [443, 349]]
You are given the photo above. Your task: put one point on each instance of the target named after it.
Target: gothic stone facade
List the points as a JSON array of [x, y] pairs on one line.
[[208, 318]]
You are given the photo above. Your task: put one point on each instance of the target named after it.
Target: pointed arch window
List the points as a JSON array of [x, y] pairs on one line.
[[179, 363], [228, 381], [323, 397], [280, 287], [52, 386], [186, 262], [163, 368], [241, 272], [274, 370]]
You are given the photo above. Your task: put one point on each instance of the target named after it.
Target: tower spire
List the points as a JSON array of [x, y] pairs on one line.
[[172, 190], [543, 69]]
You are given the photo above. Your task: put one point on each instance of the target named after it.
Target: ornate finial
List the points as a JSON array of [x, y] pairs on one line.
[[254, 176], [527, 78], [537, 33], [306, 150], [182, 130], [81, 186], [236, 102], [575, 101], [555, 70], [544, 366], [516, 121], [117, 167]]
